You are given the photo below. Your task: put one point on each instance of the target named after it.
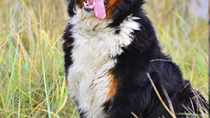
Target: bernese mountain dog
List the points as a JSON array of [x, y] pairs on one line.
[[115, 66]]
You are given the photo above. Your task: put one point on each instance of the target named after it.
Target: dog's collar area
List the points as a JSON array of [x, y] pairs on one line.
[[69, 21]]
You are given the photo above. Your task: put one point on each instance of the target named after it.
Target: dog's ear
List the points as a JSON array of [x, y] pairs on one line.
[[71, 7], [126, 8]]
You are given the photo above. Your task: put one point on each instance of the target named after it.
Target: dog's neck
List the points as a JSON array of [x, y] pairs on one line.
[[88, 21]]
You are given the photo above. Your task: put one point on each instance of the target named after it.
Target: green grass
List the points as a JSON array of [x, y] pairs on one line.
[[32, 74]]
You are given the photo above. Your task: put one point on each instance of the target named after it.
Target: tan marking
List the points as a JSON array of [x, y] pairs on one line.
[[113, 85], [110, 7], [80, 3]]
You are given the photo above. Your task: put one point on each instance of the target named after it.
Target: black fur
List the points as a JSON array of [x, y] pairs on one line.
[[67, 47], [71, 7], [144, 55], [127, 7]]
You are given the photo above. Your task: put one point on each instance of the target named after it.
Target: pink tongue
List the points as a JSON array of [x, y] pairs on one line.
[[99, 9]]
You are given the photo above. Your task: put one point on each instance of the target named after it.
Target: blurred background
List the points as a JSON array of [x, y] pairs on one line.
[[32, 78]]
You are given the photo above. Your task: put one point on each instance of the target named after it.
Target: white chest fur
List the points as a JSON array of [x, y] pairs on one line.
[[94, 46]]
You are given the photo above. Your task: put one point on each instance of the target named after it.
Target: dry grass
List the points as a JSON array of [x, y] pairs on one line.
[[32, 76]]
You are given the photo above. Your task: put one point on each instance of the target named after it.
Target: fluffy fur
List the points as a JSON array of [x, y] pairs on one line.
[[107, 61]]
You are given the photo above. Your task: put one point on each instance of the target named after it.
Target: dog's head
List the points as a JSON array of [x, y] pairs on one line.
[[106, 9]]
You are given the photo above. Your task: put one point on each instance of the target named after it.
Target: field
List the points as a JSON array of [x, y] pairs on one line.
[[32, 78]]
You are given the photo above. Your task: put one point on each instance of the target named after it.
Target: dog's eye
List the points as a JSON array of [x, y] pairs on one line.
[[85, 1]]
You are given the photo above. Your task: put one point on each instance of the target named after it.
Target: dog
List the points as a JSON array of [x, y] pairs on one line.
[[115, 66]]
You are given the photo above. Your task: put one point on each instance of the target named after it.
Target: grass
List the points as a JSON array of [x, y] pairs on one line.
[[32, 74]]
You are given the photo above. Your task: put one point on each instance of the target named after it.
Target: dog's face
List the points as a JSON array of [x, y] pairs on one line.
[[106, 9], [101, 8]]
